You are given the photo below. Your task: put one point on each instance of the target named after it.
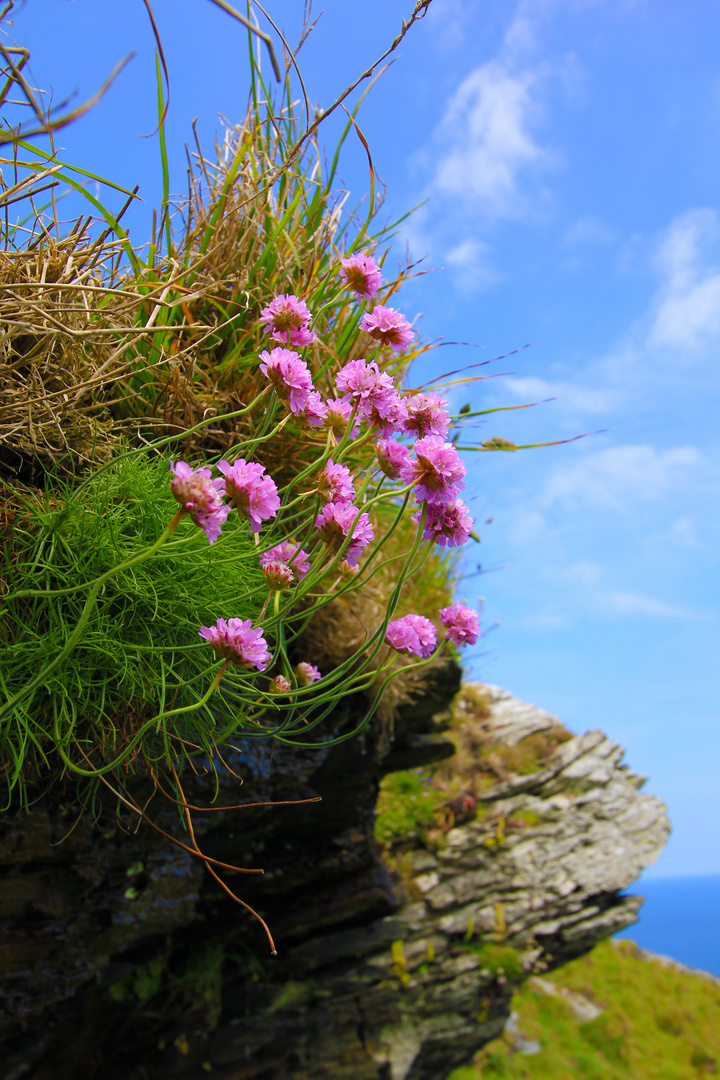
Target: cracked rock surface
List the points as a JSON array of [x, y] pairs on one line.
[[395, 970]]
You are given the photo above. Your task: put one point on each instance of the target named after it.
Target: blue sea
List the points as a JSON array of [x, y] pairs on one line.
[[680, 918]]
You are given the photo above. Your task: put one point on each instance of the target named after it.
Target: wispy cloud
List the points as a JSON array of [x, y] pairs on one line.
[[687, 309], [627, 603], [473, 260], [585, 399], [587, 231], [611, 477], [487, 139]]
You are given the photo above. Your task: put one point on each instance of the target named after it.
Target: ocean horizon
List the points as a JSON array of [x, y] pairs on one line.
[[680, 919]]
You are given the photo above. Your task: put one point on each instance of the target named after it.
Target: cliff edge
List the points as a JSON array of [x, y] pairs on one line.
[[397, 961]]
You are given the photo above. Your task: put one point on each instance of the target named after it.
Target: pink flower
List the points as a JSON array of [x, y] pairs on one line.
[[334, 523], [361, 274], [313, 411], [437, 471], [448, 524], [338, 416], [306, 673], [392, 457], [388, 415], [238, 641], [287, 320], [414, 634], [461, 622], [278, 576], [289, 553], [289, 375], [389, 327], [427, 415], [200, 497], [366, 385], [335, 483], [252, 492], [279, 685]]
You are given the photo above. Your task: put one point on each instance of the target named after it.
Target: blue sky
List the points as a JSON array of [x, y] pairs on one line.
[[567, 155]]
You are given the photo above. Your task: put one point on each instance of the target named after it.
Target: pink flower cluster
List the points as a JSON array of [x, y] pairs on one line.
[[461, 622], [288, 554], [415, 634], [239, 642], [427, 415], [334, 524], [287, 319], [388, 326], [200, 497], [373, 395], [252, 492], [335, 483], [291, 379], [437, 471], [361, 274], [392, 457], [307, 673], [448, 524]]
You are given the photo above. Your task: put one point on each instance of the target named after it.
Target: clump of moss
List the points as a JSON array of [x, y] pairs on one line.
[[407, 806], [499, 960]]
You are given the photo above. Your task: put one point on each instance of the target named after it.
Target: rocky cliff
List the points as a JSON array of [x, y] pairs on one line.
[[122, 959]]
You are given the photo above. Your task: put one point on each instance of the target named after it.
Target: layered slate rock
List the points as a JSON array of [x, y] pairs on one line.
[[386, 970]]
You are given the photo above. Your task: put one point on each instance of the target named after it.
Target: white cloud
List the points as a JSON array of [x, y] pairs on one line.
[[449, 21], [587, 231], [582, 399], [487, 129], [614, 476], [472, 259], [683, 532], [625, 603], [687, 311]]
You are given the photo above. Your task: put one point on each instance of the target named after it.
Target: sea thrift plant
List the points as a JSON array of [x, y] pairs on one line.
[[436, 472], [238, 641], [365, 386], [279, 685], [289, 375], [361, 274], [287, 319], [461, 622], [334, 523], [313, 410], [335, 483], [338, 416], [447, 524], [413, 634], [250, 491], [427, 415], [278, 576], [289, 553], [392, 457], [200, 497], [306, 674], [388, 415], [389, 327]]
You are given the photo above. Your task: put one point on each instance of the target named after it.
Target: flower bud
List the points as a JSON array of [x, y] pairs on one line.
[[306, 673], [279, 685], [278, 576]]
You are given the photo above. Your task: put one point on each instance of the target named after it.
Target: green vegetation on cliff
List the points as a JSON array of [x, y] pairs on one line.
[[611, 1015]]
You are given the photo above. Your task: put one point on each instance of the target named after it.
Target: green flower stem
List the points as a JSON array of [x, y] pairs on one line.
[[147, 726], [371, 711]]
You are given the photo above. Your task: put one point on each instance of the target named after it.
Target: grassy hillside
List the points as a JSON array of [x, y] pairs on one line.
[[650, 1022]]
